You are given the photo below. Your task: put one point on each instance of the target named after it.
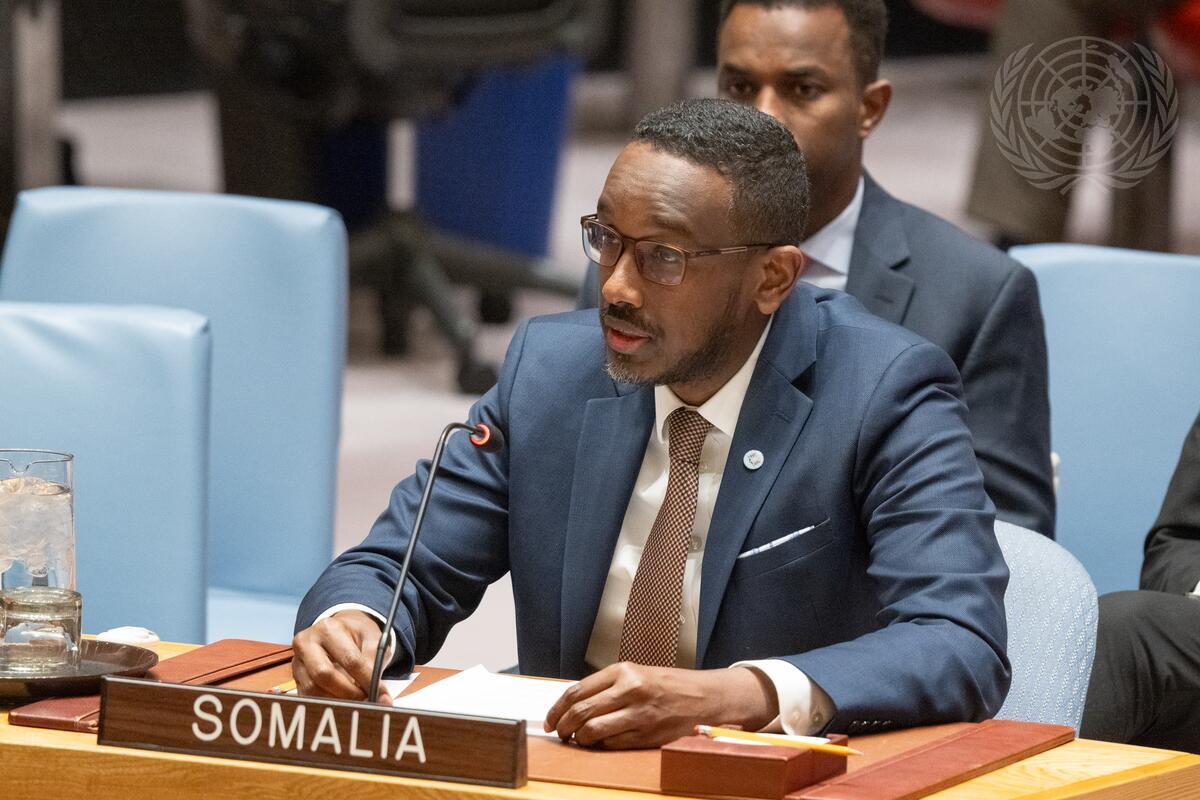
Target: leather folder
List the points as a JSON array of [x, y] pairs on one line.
[[214, 663], [1000, 744], [941, 763], [900, 764]]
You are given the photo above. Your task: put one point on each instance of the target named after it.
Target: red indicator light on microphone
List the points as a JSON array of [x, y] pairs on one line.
[[482, 436]]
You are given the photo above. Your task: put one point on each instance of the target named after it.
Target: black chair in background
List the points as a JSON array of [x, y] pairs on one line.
[[306, 89]]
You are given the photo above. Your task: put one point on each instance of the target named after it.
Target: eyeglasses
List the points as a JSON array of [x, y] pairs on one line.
[[656, 262]]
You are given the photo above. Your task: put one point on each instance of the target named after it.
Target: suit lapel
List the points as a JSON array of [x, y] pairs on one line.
[[612, 446], [772, 416], [880, 247]]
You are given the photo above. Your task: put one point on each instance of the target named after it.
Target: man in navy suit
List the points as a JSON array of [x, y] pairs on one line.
[[724, 498], [814, 66]]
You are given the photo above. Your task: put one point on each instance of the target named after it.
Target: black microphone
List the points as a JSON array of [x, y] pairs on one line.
[[488, 439]]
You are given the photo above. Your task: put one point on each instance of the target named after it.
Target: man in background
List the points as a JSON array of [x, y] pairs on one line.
[[1145, 686], [814, 66]]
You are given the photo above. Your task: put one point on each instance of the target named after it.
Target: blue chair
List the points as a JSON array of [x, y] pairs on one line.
[[1052, 615], [271, 276], [126, 390], [1123, 334]]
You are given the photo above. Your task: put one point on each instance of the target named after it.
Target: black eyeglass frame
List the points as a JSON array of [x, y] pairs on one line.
[[687, 254]]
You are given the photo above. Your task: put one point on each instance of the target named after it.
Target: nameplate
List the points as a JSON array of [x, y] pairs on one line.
[[311, 732]]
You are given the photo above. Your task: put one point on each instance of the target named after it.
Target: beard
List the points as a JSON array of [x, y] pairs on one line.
[[695, 365]]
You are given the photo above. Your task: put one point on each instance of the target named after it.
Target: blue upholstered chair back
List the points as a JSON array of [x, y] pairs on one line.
[[1052, 614], [271, 276], [1123, 333], [126, 390]]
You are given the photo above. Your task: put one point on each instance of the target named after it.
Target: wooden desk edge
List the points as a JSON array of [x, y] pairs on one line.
[[36, 748], [124, 770], [130, 770], [1174, 776]]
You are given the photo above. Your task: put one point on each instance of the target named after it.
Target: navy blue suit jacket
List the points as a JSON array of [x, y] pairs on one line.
[[980, 306], [892, 603]]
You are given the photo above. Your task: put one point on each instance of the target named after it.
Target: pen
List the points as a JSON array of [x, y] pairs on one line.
[[713, 732], [283, 688]]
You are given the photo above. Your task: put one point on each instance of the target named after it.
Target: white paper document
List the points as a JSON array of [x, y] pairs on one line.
[[485, 694], [394, 687], [398, 685]]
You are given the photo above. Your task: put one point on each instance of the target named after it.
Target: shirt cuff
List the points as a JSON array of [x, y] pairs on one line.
[[1196, 589], [804, 707], [391, 643]]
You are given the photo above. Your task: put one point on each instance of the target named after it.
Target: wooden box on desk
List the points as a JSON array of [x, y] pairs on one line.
[[698, 765]]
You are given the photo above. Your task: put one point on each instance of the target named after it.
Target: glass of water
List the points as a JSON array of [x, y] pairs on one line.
[[37, 519], [39, 630], [39, 609]]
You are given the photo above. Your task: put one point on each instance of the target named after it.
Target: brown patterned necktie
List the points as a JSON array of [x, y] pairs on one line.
[[650, 634]]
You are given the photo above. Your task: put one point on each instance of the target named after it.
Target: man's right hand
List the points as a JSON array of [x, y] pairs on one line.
[[334, 657]]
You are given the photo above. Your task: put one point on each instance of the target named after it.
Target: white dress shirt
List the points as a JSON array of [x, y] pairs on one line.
[[830, 248], [804, 707]]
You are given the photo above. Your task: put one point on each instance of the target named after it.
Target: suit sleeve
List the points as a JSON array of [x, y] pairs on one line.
[[1006, 389], [939, 654], [463, 545], [1172, 562]]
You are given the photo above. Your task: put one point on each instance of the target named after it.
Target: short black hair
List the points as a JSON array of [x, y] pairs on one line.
[[751, 150], [867, 20]]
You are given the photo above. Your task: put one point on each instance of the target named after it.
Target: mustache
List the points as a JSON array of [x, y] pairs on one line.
[[627, 314]]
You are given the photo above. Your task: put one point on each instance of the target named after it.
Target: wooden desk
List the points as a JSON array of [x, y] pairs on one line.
[[45, 763]]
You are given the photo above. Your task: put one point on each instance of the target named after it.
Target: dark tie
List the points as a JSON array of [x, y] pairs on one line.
[[650, 634]]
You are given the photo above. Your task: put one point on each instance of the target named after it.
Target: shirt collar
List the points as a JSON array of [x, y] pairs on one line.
[[723, 408], [833, 244]]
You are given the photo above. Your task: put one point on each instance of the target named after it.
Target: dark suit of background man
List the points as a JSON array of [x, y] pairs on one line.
[[823, 553], [813, 65], [1145, 686]]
